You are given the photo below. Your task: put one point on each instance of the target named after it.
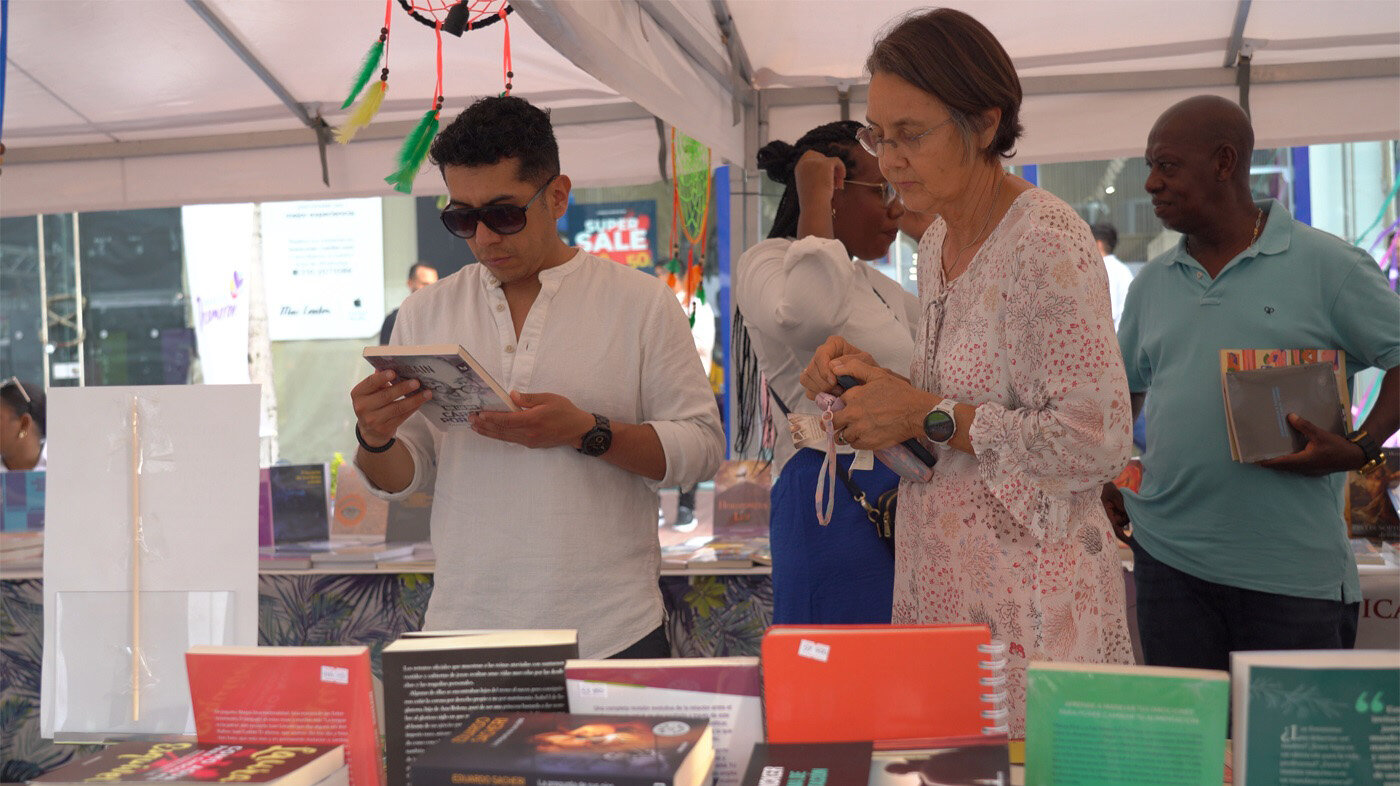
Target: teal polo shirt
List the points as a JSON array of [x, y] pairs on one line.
[[1199, 511]]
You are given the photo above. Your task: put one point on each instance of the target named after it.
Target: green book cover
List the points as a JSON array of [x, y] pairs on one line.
[[1317, 717], [1093, 725]]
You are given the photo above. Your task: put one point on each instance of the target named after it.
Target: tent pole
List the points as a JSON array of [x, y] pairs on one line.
[[230, 39]]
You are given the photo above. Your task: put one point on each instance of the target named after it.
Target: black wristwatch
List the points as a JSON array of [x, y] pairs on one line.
[[1372, 452], [598, 439]]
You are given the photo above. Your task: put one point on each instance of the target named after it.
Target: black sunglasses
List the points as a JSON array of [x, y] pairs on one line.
[[501, 219]]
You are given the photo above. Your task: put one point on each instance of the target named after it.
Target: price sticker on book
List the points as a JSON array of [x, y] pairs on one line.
[[592, 690], [335, 674], [806, 648]]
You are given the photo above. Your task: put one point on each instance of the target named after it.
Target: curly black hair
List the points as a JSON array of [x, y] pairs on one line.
[[777, 159], [499, 127]]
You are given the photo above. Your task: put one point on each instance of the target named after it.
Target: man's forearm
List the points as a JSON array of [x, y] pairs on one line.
[[389, 471], [637, 449]]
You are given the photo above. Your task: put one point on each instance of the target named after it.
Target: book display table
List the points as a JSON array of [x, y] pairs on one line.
[[707, 615]]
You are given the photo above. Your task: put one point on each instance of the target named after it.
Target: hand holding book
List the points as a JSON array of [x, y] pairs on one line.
[[382, 402], [545, 420], [1324, 454]]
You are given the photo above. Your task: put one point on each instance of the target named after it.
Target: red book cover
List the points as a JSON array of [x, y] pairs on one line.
[[848, 683], [307, 695]]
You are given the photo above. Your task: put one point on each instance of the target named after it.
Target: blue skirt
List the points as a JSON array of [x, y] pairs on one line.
[[840, 573]]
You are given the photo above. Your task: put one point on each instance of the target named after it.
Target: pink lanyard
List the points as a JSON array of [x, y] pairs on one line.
[[826, 475]]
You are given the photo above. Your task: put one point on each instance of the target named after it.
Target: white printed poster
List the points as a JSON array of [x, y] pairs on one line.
[[323, 267], [218, 249]]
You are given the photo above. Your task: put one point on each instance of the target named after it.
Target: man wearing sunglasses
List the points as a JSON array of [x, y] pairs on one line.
[[542, 518], [22, 426]]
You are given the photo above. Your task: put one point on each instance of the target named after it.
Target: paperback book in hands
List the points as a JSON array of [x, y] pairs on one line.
[[459, 383]]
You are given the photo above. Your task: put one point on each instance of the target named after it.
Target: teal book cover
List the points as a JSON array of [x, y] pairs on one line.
[[1101, 724], [22, 501], [1317, 717]]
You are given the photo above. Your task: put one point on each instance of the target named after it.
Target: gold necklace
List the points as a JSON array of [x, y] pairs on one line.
[[948, 271], [1253, 238]]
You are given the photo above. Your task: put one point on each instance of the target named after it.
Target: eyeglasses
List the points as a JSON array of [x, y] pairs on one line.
[[24, 394], [887, 191], [872, 143], [501, 219]]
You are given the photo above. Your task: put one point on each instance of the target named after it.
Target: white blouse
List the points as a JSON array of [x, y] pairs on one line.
[[795, 294]]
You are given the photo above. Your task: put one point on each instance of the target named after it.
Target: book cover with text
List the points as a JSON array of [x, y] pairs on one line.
[[460, 385], [288, 695], [1316, 716], [728, 691], [178, 762], [1089, 723], [532, 749], [435, 680]]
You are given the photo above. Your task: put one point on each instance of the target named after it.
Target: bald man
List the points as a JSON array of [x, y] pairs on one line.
[[1233, 556]]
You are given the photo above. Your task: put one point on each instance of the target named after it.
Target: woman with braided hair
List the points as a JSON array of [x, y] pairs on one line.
[[806, 282]]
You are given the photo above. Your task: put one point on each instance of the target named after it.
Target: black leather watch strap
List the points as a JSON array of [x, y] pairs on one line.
[[1371, 452]]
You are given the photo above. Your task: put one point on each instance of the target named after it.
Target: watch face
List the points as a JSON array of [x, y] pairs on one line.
[[939, 426], [597, 442]]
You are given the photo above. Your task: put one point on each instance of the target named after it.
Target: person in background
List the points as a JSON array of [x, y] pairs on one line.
[[23, 426], [1120, 277], [420, 275], [543, 517], [1015, 381], [1232, 556], [807, 281]]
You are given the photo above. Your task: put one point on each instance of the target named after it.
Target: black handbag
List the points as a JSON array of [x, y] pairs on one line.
[[881, 513]]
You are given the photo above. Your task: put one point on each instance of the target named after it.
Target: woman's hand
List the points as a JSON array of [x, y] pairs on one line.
[[818, 376], [884, 410]]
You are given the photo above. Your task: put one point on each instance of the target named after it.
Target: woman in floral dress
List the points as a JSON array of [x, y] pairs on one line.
[[1016, 378]]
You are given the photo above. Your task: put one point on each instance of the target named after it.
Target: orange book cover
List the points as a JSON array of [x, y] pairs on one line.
[[293, 695], [840, 683]]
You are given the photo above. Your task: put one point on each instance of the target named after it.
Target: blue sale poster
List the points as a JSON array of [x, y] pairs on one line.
[[624, 232]]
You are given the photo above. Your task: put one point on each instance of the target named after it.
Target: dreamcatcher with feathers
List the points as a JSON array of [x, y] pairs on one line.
[[453, 17], [690, 217]]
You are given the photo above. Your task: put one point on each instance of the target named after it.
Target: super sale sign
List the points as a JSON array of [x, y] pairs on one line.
[[624, 232]]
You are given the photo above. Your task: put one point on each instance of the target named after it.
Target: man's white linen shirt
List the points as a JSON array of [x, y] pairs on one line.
[[551, 538]]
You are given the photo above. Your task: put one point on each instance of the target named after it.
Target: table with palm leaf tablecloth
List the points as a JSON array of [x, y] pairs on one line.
[[707, 615]]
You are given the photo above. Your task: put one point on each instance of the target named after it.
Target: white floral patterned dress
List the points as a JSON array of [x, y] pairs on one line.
[[1015, 537]]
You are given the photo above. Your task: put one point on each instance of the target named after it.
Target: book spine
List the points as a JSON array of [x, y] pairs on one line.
[[996, 714]]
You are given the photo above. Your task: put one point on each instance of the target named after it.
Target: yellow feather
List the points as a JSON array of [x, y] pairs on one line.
[[363, 112]]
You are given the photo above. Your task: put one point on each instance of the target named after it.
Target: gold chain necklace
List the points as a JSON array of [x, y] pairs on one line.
[[948, 271], [1253, 238]]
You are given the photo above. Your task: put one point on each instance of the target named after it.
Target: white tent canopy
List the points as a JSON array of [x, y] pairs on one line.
[[145, 103]]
